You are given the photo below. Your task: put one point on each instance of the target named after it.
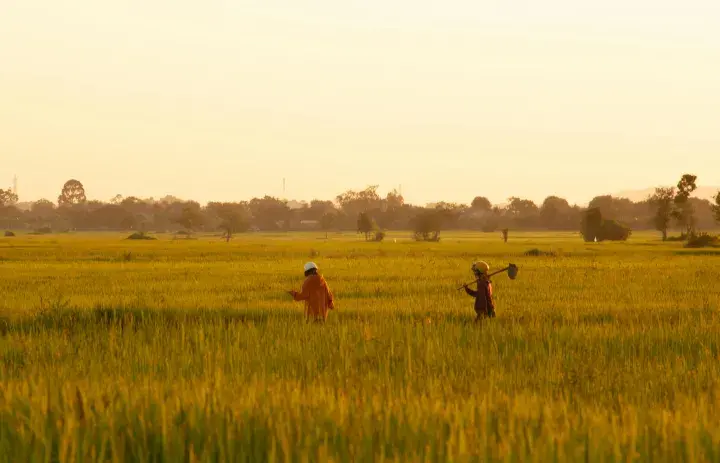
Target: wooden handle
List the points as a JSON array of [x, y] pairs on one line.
[[494, 273]]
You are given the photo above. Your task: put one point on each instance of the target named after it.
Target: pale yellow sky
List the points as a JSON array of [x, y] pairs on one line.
[[219, 100]]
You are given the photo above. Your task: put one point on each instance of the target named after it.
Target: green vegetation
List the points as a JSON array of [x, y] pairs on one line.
[[367, 212], [190, 350]]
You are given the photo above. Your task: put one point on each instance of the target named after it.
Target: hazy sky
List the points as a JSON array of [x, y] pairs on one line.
[[219, 100]]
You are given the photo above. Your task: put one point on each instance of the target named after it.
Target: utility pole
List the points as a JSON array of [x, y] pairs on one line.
[[15, 183]]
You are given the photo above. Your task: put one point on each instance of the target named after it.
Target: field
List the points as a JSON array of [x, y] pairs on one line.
[[190, 350]]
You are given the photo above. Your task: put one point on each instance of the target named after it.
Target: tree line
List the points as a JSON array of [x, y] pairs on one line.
[[366, 212]]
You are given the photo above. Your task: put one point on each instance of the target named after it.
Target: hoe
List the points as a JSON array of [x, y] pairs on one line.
[[511, 269]]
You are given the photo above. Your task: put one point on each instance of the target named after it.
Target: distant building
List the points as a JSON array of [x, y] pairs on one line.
[[296, 204], [309, 223]]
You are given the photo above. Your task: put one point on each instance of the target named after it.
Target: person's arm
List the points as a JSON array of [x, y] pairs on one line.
[[471, 292], [304, 293], [330, 298]]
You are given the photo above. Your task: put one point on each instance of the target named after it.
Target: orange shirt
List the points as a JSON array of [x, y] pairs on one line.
[[317, 296]]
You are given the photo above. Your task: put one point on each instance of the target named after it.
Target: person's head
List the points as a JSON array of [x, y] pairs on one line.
[[480, 269], [311, 269]]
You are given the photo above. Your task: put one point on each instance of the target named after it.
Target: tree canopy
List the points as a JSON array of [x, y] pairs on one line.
[[365, 211]]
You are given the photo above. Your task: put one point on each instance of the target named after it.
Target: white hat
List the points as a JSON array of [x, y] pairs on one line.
[[310, 266]]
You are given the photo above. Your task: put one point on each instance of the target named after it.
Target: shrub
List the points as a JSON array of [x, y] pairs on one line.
[[9, 234], [703, 240], [591, 224], [427, 225], [366, 225], [379, 236], [489, 227], [42, 231], [594, 227], [539, 253], [140, 236], [614, 231], [427, 236]]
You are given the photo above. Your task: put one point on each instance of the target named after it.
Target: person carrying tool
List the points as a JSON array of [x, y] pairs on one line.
[[316, 294], [484, 306]]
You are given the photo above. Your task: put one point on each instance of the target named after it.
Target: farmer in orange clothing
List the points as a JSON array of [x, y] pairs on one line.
[[316, 294]]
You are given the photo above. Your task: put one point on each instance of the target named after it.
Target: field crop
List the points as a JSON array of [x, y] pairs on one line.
[[190, 350]]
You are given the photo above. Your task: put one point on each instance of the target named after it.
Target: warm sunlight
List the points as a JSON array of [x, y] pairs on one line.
[[221, 100], [359, 230]]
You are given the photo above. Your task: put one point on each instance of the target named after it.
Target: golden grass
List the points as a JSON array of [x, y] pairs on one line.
[[190, 350]]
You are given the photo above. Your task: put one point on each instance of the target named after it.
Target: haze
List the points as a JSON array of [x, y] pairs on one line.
[[221, 100]]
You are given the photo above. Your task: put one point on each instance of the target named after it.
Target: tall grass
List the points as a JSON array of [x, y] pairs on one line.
[[191, 351]]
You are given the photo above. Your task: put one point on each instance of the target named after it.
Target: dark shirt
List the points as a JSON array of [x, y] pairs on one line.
[[483, 298]]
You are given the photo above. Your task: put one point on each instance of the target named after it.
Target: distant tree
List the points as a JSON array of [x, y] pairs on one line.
[[662, 201], [427, 225], [8, 198], [133, 203], [190, 217], [170, 199], [665, 207], [109, 216], [612, 230], [394, 200], [608, 205], [129, 222], [232, 223], [481, 203], [142, 211], [683, 212], [42, 213], [42, 207], [352, 203], [94, 204], [522, 212], [449, 214], [495, 220], [611, 207], [319, 208], [327, 221], [162, 215], [73, 192], [270, 213], [10, 215], [392, 208], [702, 213], [366, 224], [595, 228], [591, 224], [233, 217], [555, 213]]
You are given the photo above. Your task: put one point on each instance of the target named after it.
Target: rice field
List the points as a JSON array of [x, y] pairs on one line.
[[191, 350]]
